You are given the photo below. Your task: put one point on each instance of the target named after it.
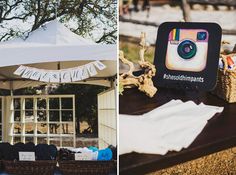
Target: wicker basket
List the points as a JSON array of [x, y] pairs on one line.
[[39, 167], [226, 84], [1, 166], [73, 167]]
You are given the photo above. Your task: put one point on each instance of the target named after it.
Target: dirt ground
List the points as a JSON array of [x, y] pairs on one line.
[[220, 163]]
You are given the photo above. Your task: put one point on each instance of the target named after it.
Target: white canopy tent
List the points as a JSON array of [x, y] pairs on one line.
[[50, 47], [53, 46]]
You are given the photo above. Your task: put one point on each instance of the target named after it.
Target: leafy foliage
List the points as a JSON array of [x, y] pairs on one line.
[[85, 101], [91, 18]]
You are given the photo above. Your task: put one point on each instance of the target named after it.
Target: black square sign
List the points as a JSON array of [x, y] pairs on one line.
[[187, 55]]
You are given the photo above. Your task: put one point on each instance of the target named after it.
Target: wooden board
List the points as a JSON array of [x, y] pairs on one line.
[[214, 2], [219, 133]]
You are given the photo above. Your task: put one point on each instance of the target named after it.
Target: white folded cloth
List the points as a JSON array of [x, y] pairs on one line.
[[76, 150], [170, 127]]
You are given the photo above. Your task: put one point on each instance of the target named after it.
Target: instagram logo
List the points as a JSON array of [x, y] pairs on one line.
[[187, 50]]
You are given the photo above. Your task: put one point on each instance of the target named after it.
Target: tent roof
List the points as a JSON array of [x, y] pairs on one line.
[[53, 42], [52, 33], [49, 45]]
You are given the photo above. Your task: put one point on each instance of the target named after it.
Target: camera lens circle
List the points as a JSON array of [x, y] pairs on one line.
[[187, 49]]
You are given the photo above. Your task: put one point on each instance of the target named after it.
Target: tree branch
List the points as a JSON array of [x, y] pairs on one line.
[[106, 35]]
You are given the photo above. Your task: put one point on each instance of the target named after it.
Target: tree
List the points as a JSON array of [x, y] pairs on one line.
[[94, 18]]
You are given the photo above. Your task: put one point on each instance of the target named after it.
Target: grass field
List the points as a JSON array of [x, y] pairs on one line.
[[131, 51]]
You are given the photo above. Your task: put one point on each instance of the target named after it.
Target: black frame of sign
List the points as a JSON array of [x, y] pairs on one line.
[[208, 75]]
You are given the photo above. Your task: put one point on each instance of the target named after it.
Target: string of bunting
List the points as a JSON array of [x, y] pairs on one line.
[[64, 75]]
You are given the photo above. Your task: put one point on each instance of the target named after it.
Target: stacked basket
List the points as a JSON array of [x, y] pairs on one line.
[[74, 167], [226, 84], [44, 163], [38, 167], [99, 166]]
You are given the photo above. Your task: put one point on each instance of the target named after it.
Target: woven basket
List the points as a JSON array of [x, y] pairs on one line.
[[226, 83], [39, 167], [73, 167], [1, 166]]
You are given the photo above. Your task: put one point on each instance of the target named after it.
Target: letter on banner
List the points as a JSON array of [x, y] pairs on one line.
[[76, 74], [45, 76], [65, 76], [99, 65], [54, 76], [28, 72], [36, 74], [91, 69], [84, 74], [20, 70]]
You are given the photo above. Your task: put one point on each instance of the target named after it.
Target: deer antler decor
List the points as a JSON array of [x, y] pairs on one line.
[[143, 81]]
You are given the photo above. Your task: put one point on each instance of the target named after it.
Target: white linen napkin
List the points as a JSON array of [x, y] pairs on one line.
[[170, 127]]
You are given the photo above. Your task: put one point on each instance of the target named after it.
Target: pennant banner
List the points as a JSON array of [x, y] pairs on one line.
[[61, 76]]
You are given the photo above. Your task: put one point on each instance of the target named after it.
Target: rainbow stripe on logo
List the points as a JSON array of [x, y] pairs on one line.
[[174, 35]]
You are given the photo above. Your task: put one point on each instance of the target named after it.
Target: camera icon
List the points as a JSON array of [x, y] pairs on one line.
[[187, 50]]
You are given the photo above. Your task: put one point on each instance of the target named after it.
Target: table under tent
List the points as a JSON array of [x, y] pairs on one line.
[[53, 54]]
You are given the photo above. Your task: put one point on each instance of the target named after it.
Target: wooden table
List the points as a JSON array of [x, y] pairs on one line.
[[218, 134]]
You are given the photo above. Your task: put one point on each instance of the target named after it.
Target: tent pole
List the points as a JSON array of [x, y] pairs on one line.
[[58, 65], [112, 83], [11, 88]]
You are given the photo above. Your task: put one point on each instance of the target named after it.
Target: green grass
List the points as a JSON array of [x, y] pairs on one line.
[[131, 52]]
